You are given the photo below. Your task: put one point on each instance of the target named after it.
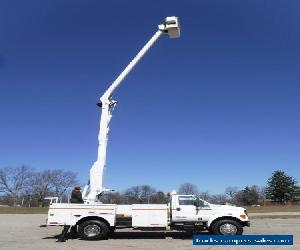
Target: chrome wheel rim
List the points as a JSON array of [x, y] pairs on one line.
[[228, 228], [91, 230]]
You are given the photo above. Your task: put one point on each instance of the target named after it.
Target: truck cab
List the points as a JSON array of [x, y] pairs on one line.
[[189, 213]]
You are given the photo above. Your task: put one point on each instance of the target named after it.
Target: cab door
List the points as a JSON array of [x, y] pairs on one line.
[[184, 209], [204, 212]]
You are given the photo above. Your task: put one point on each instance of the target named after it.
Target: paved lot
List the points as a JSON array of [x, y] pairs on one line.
[[22, 231]]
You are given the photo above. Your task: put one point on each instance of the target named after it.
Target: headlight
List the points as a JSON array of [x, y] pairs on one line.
[[246, 213]]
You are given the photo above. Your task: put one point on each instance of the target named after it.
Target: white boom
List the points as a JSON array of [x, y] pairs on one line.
[[107, 104]]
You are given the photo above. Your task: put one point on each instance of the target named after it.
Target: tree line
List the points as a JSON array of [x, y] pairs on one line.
[[280, 188], [26, 187]]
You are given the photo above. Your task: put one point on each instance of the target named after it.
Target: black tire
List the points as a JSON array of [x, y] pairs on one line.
[[93, 230], [218, 227]]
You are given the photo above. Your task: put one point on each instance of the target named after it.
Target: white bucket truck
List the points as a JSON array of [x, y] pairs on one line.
[[93, 220], [183, 212]]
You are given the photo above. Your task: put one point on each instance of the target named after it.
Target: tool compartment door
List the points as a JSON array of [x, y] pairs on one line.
[[149, 215], [59, 215]]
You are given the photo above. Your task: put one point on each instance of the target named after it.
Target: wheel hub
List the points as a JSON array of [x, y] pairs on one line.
[[228, 229], [91, 230]]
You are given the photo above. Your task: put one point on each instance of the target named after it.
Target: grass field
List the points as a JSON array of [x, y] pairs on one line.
[[23, 210], [270, 209]]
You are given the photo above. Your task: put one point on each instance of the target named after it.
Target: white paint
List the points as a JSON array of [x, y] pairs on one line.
[[149, 215]]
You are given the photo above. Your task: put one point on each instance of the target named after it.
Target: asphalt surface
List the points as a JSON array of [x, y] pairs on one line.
[[23, 232]]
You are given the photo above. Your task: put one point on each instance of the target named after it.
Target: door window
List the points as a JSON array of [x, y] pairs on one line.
[[186, 200]]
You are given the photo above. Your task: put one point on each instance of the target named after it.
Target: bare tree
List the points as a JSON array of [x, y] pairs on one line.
[[114, 198], [231, 191], [52, 183], [62, 181], [140, 194], [261, 195], [15, 181], [147, 192], [159, 198], [41, 185], [134, 194], [205, 196], [188, 188], [218, 199], [247, 196]]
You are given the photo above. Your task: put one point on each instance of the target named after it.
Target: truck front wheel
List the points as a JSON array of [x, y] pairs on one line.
[[93, 230], [226, 227]]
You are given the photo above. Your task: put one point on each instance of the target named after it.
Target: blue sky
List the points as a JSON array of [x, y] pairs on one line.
[[218, 107]]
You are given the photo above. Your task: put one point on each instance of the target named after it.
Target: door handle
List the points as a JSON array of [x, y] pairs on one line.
[[178, 209]]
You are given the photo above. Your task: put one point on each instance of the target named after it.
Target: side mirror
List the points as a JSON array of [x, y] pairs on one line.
[[199, 203]]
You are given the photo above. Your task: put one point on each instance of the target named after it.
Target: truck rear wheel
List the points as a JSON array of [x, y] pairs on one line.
[[227, 227], [93, 230]]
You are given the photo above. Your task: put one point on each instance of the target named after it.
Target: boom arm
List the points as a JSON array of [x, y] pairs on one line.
[[95, 187]]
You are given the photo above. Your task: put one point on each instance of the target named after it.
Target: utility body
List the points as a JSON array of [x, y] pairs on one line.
[[94, 220]]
